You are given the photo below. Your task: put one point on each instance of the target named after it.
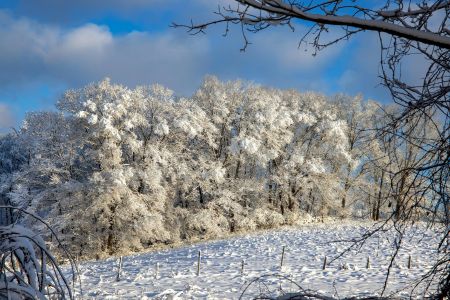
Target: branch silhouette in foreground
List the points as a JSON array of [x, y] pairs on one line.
[[419, 130]]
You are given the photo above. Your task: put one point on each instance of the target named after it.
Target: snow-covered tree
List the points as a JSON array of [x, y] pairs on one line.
[[117, 169]]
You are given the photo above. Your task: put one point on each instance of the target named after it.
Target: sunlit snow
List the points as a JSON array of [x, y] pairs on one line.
[[221, 264]]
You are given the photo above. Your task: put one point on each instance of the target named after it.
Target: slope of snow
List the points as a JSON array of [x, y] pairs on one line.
[[221, 262]]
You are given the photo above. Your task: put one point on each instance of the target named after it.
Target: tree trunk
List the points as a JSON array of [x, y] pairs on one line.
[[378, 201], [291, 203], [280, 197], [238, 165], [399, 198], [110, 240], [200, 194]]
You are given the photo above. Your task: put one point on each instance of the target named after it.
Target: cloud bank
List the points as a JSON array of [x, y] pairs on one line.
[[38, 50], [6, 118], [31, 51]]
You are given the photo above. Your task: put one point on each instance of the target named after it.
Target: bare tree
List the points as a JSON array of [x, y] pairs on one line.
[[420, 129]]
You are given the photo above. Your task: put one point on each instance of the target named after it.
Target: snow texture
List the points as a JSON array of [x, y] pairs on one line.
[[221, 263]]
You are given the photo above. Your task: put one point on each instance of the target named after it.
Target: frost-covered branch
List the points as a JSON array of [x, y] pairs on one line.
[[401, 22], [27, 268]]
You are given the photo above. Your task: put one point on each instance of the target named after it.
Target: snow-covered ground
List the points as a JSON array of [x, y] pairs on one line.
[[221, 262]]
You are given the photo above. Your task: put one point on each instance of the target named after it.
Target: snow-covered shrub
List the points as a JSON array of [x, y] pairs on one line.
[[294, 218], [267, 218], [245, 223], [237, 217], [205, 223], [27, 268]]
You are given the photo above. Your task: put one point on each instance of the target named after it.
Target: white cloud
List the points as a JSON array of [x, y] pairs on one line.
[[348, 79], [283, 44], [33, 51], [76, 56], [6, 117], [87, 38], [363, 72]]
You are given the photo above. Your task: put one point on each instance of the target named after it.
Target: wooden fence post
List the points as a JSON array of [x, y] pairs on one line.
[[198, 262], [368, 262], [282, 258], [409, 262], [156, 270], [324, 263], [119, 269], [242, 267]]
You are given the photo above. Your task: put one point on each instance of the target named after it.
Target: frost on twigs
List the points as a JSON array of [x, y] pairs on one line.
[[118, 170], [282, 287], [27, 269]]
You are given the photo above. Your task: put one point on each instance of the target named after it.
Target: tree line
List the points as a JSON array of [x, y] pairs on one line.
[[115, 169]]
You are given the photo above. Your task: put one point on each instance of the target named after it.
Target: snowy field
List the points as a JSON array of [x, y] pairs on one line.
[[221, 265]]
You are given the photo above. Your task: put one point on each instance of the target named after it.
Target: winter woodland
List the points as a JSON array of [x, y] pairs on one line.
[[115, 170]]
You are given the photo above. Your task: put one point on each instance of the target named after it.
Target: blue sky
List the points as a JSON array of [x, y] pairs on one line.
[[48, 46]]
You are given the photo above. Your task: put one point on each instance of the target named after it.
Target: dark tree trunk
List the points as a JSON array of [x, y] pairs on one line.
[[238, 165], [378, 201], [280, 198], [200, 194], [110, 240]]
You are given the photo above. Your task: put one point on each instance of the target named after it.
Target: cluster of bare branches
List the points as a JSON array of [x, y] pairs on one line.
[[417, 134], [28, 270], [276, 286], [402, 19]]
